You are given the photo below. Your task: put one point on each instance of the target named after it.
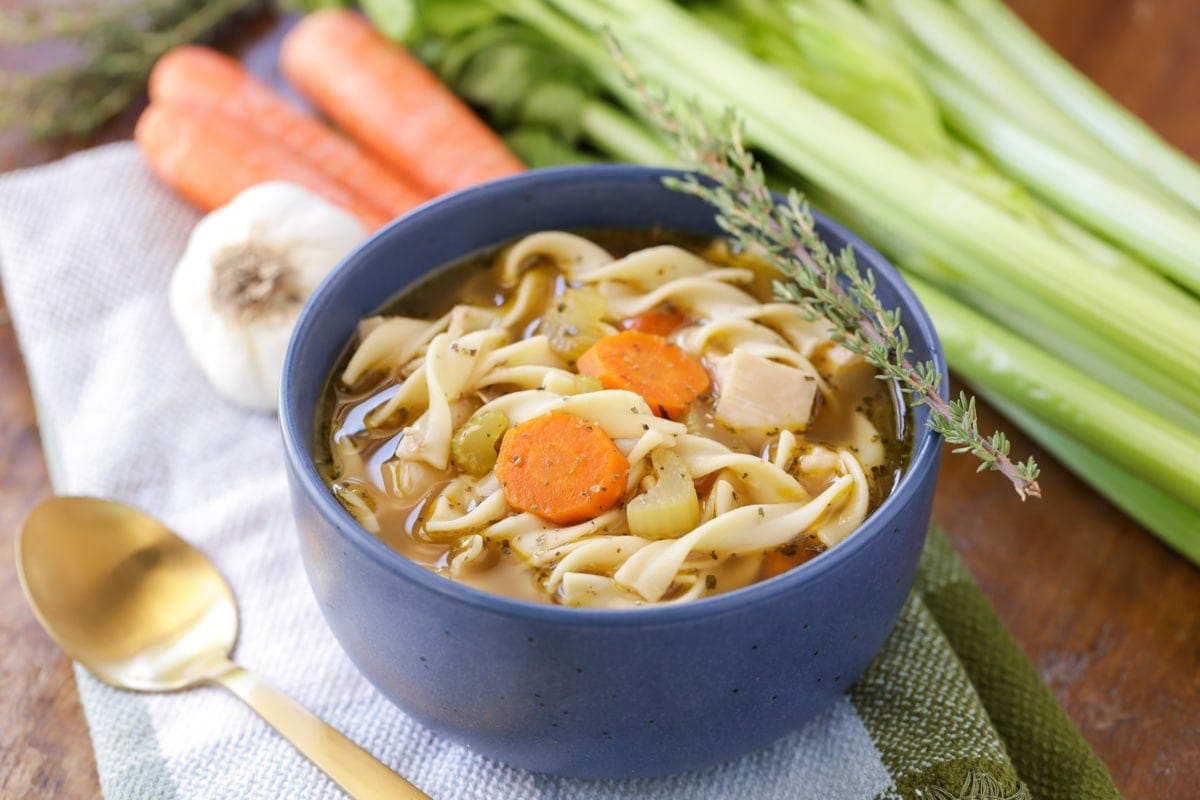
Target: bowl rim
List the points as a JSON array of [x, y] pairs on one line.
[[296, 431]]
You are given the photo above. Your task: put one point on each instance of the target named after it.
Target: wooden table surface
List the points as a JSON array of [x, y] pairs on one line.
[[1110, 616]]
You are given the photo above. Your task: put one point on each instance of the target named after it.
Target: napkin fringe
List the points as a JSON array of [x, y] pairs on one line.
[[979, 785]]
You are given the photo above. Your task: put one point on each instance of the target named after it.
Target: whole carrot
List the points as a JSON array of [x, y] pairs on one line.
[[209, 158], [388, 100], [202, 77]]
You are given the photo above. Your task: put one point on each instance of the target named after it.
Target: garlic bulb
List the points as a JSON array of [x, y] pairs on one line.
[[247, 270]]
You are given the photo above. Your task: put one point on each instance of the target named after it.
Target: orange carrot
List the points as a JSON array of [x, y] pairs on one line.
[[389, 101], [208, 158], [661, 372], [562, 468], [780, 560], [662, 320], [203, 77]]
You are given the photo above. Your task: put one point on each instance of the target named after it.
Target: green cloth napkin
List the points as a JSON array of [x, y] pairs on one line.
[[949, 709], [950, 642]]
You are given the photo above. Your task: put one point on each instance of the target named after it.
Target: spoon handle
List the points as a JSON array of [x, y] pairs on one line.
[[358, 772]]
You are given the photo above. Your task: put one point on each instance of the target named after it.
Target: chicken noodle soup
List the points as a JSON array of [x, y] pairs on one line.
[[607, 421]]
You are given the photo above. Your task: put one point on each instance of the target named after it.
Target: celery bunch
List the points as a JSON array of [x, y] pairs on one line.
[[1055, 239]]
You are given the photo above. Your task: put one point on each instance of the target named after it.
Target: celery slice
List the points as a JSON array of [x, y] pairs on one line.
[[473, 447], [670, 508], [575, 322]]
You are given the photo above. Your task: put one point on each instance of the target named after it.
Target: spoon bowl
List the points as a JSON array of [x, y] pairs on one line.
[[124, 596], [142, 609]]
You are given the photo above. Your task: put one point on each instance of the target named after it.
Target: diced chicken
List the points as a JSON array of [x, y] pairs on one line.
[[820, 462], [865, 441], [818, 468], [404, 478], [846, 370], [368, 324], [757, 394], [466, 319]]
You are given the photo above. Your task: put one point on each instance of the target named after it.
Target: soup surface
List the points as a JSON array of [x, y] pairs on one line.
[[614, 419]]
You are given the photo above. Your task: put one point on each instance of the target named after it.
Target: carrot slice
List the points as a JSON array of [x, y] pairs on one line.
[[200, 76], [209, 158], [389, 101], [661, 372], [562, 468], [662, 320], [778, 561]]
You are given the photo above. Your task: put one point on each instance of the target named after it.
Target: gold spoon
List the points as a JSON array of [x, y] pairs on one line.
[[142, 609]]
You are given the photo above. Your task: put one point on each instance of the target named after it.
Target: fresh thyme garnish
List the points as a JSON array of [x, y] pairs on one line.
[[821, 283]]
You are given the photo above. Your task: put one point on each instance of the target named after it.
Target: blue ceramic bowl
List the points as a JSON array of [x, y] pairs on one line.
[[584, 692]]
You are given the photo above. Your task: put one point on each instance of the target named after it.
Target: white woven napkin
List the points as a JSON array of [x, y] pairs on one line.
[[86, 249]]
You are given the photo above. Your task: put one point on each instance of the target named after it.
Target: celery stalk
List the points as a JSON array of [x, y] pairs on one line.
[[820, 37], [1175, 523], [1117, 428], [952, 40], [1169, 240], [1121, 369], [582, 43], [618, 135], [1086, 103], [544, 98], [832, 49], [543, 147], [975, 274]]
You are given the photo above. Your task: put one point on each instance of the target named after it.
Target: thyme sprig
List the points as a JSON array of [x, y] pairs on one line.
[[822, 284], [115, 45]]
